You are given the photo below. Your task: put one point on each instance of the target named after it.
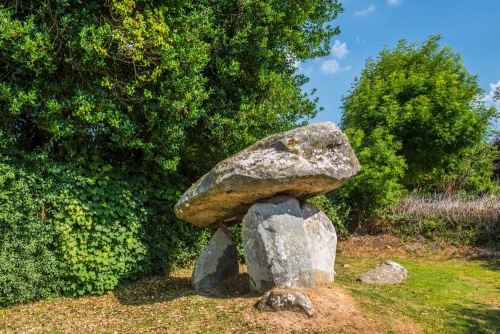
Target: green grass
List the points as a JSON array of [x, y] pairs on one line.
[[440, 296]]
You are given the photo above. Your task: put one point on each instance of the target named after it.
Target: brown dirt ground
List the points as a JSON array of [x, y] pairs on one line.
[[336, 312], [388, 245]]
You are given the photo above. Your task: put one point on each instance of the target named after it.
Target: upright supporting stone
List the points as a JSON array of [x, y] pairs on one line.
[[322, 241], [218, 263], [275, 245]]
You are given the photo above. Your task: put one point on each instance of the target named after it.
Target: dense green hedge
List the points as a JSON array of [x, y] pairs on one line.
[[77, 230], [29, 266]]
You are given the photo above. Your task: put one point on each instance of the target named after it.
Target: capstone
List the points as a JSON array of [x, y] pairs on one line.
[[301, 163]]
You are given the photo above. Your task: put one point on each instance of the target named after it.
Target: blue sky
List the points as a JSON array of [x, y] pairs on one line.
[[470, 27]]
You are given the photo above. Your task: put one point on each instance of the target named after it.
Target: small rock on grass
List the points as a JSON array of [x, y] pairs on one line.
[[286, 300], [377, 242], [387, 272]]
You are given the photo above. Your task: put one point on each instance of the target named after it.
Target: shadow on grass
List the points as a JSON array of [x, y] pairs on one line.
[[159, 289], [489, 262], [478, 318]]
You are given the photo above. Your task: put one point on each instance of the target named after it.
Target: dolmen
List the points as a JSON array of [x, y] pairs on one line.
[[287, 242]]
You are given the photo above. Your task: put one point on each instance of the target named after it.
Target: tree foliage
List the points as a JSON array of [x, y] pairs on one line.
[[496, 94], [116, 106], [154, 80], [417, 123], [425, 98]]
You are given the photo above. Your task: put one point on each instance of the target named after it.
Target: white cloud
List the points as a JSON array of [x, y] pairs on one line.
[[332, 66], [366, 11], [488, 98], [304, 68], [394, 2], [339, 50]]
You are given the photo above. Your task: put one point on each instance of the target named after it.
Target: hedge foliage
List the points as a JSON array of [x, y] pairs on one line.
[[30, 267], [74, 230], [462, 219]]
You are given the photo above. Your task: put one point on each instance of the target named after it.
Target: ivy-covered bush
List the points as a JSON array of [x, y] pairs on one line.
[[30, 268], [74, 230]]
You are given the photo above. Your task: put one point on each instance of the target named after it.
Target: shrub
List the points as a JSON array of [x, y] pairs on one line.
[[79, 229], [365, 198]]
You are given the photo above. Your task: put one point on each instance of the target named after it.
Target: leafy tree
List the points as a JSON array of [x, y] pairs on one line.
[[416, 123], [423, 96], [253, 89], [116, 106], [153, 80]]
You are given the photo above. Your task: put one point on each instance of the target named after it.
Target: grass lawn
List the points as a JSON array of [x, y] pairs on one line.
[[440, 296], [447, 292]]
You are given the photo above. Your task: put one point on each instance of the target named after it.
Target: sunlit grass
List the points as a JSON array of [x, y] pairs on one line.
[[440, 296]]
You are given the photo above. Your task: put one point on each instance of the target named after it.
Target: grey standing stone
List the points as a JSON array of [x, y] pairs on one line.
[[217, 263], [302, 163], [322, 242], [286, 300], [275, 245], [387, 272]]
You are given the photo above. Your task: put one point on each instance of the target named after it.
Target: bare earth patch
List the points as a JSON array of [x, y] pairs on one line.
[[390, 246], [336, 312]]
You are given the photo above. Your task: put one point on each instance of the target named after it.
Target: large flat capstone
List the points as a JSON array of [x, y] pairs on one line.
[[302, 163]]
